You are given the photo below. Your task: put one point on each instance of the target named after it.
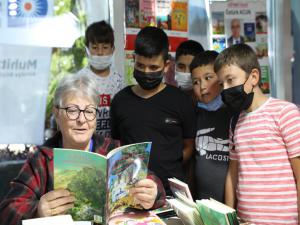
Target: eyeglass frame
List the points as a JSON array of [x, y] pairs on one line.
[[80, 111]]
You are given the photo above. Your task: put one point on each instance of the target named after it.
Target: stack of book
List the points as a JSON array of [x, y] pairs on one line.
[[202, 212]]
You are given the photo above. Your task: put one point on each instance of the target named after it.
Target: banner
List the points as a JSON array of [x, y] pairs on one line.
[[23, 83], [32, 23], [241, 21], [169, 15]]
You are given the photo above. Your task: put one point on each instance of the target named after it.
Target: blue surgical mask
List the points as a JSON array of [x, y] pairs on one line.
[[213, 105]]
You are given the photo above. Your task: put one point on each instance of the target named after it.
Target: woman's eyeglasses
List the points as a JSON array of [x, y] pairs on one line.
[[73, 112]]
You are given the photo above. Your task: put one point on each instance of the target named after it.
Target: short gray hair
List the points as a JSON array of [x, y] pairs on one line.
[[75, 84]]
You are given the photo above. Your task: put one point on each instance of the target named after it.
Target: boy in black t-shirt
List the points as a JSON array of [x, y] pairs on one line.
[[154, 111], [213, 120]]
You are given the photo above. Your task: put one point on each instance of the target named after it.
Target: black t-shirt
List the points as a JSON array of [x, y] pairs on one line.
[[166, 119], [212, 152]]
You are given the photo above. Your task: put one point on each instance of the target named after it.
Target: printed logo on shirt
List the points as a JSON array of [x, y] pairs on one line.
[[104, 100], [207, 145], [173, 121], [103, 121]]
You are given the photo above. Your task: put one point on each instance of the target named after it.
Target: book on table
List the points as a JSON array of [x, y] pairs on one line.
[[202, 212], [100, 183], [213, 212]]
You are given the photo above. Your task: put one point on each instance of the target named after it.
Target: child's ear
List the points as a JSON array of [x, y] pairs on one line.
[[255, 77], [167, 65]]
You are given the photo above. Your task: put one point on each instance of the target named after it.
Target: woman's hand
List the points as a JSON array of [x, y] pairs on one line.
[[144, 193], [55, 202]]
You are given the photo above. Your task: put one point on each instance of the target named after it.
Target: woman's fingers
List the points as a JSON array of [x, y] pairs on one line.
[[61, 209], [61, 201]]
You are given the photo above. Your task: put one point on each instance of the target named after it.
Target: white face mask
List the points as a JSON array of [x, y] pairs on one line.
[[99, 62], [184, 80]]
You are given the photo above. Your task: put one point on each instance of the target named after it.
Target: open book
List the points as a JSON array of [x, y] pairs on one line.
[[205, 211], [177, 186], [100, 183]]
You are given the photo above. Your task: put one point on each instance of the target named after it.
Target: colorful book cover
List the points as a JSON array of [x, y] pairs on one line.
[[88, 175], [249, 32], [219, 43], [163, 17], [132, 13], [84, 174], [265, 79], [218, 24], [179, 16], [147, 13], [125, 168], [129, 67], [261, 21]]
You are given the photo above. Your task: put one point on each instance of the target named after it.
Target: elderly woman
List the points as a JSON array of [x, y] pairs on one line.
[[31, 194]]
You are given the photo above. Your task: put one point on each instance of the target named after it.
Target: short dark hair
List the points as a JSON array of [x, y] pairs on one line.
[[241, 55], [189, 47], [152, 41], [204, 58], [99, 32]]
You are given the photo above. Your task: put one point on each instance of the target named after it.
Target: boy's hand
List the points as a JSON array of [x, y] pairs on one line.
[[55, 202], [144, 193]]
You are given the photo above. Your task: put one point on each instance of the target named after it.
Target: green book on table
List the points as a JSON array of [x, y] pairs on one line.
[[213, 212]]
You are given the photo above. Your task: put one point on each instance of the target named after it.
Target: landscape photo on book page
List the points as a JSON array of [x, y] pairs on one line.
[[99, 183]]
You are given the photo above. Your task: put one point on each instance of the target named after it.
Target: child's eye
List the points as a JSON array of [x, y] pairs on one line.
[[139, 66], [229, 81], [208, 77], [196, 82], [153, 67]]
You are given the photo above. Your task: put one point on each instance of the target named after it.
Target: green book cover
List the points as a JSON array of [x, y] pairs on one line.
[[210, 215], [99, 183]]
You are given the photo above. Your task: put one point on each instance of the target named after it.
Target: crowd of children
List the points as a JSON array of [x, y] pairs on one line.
[[245, 146]]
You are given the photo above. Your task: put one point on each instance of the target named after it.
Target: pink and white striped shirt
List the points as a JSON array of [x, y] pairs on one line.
[[265, 140]]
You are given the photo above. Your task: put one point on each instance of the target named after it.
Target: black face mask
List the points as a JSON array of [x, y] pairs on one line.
[[148, 81], [236, 98]]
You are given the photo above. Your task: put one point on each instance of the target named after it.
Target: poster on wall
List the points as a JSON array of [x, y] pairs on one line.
[[241, 21], [23, 83], [169, 15]]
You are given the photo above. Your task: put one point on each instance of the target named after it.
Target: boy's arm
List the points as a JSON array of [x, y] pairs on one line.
[[231, 183], [295, 162], [188, 148]]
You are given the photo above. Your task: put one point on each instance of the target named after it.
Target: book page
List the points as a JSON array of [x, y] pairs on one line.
[[187, 213], [177, 186], [84, 174], [126, 166]]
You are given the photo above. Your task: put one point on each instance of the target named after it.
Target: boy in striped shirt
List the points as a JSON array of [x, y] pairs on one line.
[[263, 177]]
